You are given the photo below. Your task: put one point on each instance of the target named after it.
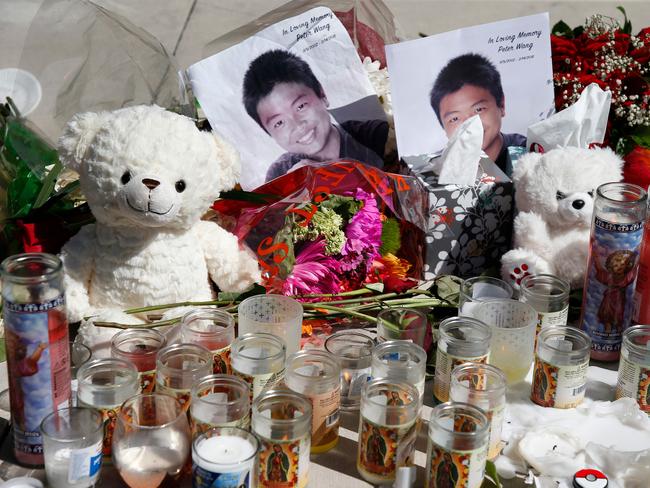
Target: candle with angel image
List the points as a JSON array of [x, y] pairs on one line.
[[616, 233]]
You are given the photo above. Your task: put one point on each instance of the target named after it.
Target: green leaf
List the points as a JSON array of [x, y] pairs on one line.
[[447, 288], [642, 136], [48, 185], [247, 196], [562, 29], [627, 25], [491, 475], [375, 287]]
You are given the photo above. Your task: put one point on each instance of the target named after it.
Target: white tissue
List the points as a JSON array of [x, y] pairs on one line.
[[458, 163], [579, 125]]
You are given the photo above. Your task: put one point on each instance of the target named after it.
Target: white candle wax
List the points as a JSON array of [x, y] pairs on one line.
[[225, 454]]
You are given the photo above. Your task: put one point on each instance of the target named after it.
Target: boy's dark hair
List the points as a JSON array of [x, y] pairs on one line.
[[271, 68], [467, 69]]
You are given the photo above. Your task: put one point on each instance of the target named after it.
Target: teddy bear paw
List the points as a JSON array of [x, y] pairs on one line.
[[519, 263]]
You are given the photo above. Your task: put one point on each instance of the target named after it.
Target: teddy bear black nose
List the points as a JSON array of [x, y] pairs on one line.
[[151, 184], [578, 204]]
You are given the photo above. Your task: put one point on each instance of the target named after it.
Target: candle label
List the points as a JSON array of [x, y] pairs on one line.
[[558, 386], [383, 449], [222, 361], [460, 469], [545, 319], [36, 337], [147, 381], [109, 417], [260, 382], [325, 416], [607, 303], [84, 463], [445, 364], [283, 464], [202, 478], [634, 382]]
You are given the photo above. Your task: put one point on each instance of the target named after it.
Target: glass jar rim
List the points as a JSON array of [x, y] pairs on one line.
[[550, 280], [240, 343], [124, 335], [295, 305], [194, 349], [347, 333], [244, 434], [69, 410], [207, 313], [286, 395], [485, 279], [578, 337], [225, 379], [634, 331], [18, 261], [623, 188], [125, 368], [490, 369], [476, 324], [312, 356], [444, 408], [528, 309], [378, 383], [180, 413]]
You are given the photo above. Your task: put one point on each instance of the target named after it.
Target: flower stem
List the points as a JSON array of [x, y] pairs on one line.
[[179, 304]]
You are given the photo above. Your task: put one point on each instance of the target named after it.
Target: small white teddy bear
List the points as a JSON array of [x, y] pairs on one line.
[[148, 176], [554, 195]]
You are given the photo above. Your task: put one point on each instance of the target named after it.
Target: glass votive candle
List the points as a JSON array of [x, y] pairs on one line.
[[513, 325], [483, 386], [258, 359], [317, 375], [561, 363], [387, 429], [457, 447], [80, 354], [224, 456], [549, 296], [273, 314], [140, 347], [402, 324], [104, 384], [214, 329], [634, 367], [460, 340], [72, 446], [353, 350], [479, 289], [281, 419], [400, 361], [179, 367], [220, 400]]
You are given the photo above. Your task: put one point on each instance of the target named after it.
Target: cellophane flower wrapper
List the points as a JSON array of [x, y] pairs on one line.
[[332, 228]]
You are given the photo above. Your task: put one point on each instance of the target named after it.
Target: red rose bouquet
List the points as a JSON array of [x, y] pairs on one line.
[[605, 52]]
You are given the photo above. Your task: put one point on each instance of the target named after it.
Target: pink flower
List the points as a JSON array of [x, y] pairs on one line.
[[363, 234], [313, 272]]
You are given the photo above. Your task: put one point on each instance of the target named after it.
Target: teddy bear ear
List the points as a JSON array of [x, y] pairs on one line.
[[524, 165], [77, 136], [227, 162]]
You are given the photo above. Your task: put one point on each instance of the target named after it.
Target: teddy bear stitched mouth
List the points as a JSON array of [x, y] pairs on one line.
[[148, 208]]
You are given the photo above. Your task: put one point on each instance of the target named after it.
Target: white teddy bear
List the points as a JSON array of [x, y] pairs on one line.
[[148, 176], [554, 195]]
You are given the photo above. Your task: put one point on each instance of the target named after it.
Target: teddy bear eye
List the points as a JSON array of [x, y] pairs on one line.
[[180, 186], [126, 177], [560, 196]]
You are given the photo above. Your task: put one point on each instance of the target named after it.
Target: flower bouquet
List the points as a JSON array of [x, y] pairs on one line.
[[604, 51], [334, 228]]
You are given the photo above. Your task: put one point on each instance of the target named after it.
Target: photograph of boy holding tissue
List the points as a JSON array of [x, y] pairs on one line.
[[469, 85], [282, 94]]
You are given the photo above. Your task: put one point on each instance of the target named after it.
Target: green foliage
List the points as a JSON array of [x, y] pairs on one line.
[[627, 25], [327, 223], [562, 29], [391, 238]]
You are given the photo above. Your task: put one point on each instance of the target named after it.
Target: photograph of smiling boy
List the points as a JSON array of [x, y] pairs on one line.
[[284, 97], [469, 85]]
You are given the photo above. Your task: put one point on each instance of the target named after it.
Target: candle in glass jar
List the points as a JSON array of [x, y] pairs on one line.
[[140, 347], [400, 361], [220, 400], [634, 368], [224, 457], [179, 367], [258, 359], [214, 329]]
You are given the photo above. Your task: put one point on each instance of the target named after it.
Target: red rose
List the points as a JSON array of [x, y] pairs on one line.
[[562, 49], [637, 167], [642, 54]]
